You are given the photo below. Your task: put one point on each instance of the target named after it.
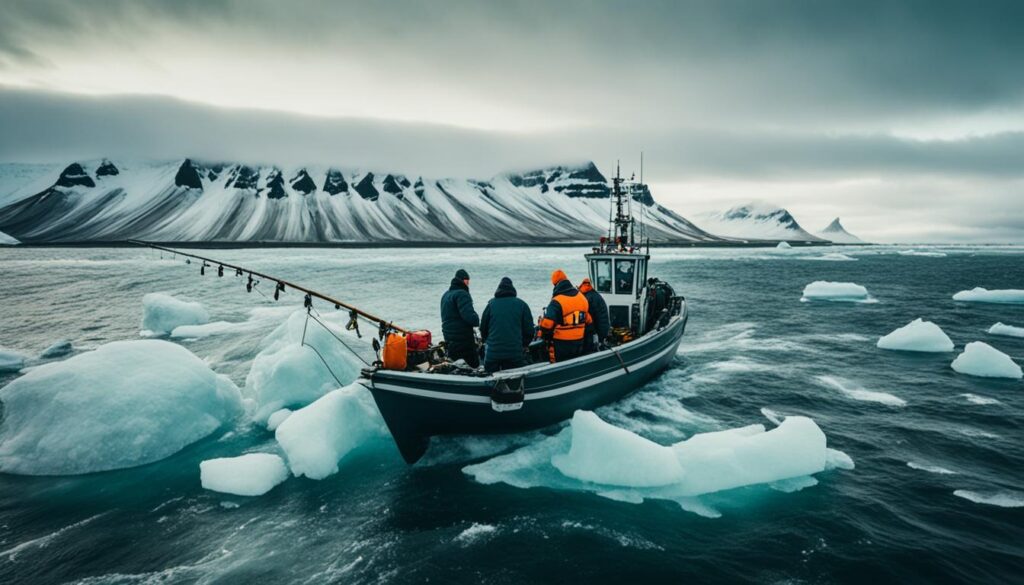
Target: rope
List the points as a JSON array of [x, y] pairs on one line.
[[309, 315]]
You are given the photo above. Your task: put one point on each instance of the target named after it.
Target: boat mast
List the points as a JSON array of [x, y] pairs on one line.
[[623, 222]]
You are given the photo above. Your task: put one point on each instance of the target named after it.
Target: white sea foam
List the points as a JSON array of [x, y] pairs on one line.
[[856, 392], [920, 253], [930, 468], [1003, 499], [982, 400], [475, 532]]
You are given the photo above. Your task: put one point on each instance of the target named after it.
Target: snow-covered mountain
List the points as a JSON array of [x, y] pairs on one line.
[[757, 220], [206, 201], [6, 240], [838, 234]]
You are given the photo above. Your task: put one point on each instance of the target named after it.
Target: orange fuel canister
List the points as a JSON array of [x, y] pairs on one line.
[[395, 352]]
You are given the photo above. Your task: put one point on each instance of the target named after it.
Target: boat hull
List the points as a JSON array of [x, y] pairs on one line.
[[417, 406]]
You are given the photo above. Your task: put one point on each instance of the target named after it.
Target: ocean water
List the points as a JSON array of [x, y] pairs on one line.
[[931, 447]]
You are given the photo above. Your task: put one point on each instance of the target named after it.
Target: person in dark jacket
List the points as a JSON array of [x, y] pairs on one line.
[[506, 329], [565, 319], [458, 318], [596, 332]]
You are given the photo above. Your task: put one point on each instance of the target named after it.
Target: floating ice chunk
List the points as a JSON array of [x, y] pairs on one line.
[[773, 416], [277, 418], [1006, 330], [287, 373], [161, 313], [127, 403], [58, 349], [918, 335], [783, 245], [204, 330], [10, 360], [981, 359], [253, 474], [981, 295], [918, 253], [318, 436], [603, 453], [836, 459], [1003, 499], [836, 291], [856, 392], [832, 257], [981, 400], [930, 468]]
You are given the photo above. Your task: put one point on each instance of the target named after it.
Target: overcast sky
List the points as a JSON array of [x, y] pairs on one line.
[[906, 119]]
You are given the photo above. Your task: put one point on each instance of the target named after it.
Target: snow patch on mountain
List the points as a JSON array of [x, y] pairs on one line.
[[835, 232], [194, 200], [757, 220]]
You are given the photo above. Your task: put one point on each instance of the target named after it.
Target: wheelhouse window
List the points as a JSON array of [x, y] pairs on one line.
[[624, 270], [602, 275]]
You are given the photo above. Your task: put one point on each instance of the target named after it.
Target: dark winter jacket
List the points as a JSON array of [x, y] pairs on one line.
[[457, 315], [506, 326], [599, 313]]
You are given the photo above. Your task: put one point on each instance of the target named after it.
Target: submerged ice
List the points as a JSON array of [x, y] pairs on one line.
[[10, 360], [161, 313], [918, 335], [593, 455], [124, 404]]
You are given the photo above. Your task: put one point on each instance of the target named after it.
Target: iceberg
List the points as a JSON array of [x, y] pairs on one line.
[[10, 360], [161, 313], [124, 404], [1006, 330], [596, 456], [783, 245], [981, 359], [918, 335], [318, 436], [981, 295], [253, 474], [835, 291], [57, 349], [298, 365]]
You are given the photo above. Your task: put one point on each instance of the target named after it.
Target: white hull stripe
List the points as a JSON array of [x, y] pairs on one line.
[[478, 399]]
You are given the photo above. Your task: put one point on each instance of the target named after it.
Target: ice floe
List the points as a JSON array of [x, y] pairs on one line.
[[57, 349], [981, 295], [297, 365], [919, 253], [857, 392], [983, 360], [126, 403], [161, 313], [278, 417], [1006, 330], [831, 257], [783, 246], [253, 474], [918, 335], [595, 456], [930, 468], [1003, 499], [10, 360], [318, 436], [822, 290]]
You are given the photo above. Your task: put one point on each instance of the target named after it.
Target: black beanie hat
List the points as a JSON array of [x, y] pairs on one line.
[[461, 274]]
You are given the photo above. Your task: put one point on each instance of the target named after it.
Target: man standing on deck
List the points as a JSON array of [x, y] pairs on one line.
[[458, 318], [506, 329], [597, 331], [565, 319]]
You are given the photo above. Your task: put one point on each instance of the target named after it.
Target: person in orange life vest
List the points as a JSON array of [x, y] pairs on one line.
[[597, 331], [565, 320]]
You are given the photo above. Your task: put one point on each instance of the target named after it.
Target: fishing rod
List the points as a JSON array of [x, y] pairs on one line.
[[281, 284]]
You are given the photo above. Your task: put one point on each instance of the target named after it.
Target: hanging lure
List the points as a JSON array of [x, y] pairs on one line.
[[278, 290], [238, 272], [220, 270], [353, 322], [202, 269], [248, 285], [307, 302]]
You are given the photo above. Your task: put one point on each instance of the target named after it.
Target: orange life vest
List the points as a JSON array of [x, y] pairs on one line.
[[575, 316]]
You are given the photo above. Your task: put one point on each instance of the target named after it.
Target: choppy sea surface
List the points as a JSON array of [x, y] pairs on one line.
[[936, 495]]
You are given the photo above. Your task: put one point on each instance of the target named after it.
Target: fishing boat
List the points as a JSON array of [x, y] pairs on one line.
[[648, 320]]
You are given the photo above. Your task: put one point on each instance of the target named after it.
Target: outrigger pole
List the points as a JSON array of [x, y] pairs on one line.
[[281, 283]]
